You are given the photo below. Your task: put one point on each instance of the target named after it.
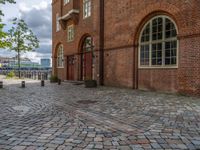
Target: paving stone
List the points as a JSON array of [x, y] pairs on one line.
[[155, 145], [195, 142], [19, 148], [121, 118]]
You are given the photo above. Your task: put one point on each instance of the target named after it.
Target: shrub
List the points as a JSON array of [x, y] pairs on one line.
[[11, 74], [53, 78]]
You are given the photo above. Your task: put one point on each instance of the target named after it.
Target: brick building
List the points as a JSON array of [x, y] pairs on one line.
[[152, 44]]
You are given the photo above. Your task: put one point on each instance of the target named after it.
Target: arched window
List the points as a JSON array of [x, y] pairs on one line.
[[158, 43], [87, 44], [60, 57]]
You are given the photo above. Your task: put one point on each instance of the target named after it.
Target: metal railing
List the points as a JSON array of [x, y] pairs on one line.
[[36, 74]]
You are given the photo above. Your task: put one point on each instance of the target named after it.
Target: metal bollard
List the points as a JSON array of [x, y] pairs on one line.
[[59, 81], [23, 84], [1, 84], [42, 83]]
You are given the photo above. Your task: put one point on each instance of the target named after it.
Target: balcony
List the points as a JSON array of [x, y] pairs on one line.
[[70, 11]]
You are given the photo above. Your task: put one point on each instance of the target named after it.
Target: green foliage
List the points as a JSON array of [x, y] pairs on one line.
[[53, 79], [21, 37], [3, 41], [11, 74], [8, 1]]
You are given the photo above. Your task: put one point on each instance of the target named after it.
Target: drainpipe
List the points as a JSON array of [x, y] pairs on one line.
[[101, 44], [61, 8]]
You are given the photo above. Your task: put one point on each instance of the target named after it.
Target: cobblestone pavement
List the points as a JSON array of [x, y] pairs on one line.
[[70, 116]]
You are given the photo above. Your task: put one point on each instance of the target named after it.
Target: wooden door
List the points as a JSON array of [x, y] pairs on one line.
[[70, 67], [88, 66]]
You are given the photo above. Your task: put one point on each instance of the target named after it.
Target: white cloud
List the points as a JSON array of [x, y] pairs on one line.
[[37, 14], [23, 7]]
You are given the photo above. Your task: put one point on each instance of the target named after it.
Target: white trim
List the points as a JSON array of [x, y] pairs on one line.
[[150, 42], [57, 22], [67, 16]]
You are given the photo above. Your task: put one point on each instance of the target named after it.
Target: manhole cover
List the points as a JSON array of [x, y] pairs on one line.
[[78, 83], [86, 102]]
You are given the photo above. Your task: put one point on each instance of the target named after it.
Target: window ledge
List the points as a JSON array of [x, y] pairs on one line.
[[60, 67], [70, 41], [161, 67]]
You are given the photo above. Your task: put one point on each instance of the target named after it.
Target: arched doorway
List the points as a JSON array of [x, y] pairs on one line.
[[87, 67]]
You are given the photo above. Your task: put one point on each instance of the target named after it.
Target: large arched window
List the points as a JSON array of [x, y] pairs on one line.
[[158, 43], [60, 57]]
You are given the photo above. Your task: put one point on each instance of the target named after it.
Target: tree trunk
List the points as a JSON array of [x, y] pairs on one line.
[[19, 65]]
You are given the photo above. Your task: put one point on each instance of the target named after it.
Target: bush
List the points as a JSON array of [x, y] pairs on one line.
[[11, 74], [54, 79]]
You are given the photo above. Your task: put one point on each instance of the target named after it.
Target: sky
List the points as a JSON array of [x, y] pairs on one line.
[[37, 14]]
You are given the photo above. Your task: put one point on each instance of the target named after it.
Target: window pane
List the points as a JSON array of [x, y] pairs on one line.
[[170, 52], [86, 8], [144, 55], [146, 34], [87, 45], [157, 29], [157, 54], [60, 56], [170, 30]]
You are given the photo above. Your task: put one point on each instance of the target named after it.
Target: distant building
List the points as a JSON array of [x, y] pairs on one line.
[[45, 62], [13, 62]]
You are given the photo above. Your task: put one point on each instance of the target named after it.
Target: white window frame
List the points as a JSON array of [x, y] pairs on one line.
[[70, 33], [57, 22], [60, 57], [87, 8], [66, 1], [157, 41]]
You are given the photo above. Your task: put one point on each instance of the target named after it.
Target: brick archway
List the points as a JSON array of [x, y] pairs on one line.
[[86, 57]]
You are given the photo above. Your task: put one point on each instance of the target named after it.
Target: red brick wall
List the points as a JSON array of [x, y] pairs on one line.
[[119, 67], [123, 22], [88, 26], [189, 69]]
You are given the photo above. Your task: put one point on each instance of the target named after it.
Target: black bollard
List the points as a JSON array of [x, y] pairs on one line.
[[1, 84], [42, 83], [59, 81], [23, 84]]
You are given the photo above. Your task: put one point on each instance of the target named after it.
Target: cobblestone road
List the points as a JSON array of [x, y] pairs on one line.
[[70, 116]]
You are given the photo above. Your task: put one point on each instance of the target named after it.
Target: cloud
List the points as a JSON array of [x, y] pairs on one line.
[[35, 57], [44, 49], [38, 19], [37, 14]]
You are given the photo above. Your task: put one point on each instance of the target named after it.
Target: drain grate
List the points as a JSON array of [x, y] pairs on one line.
[[86, 102]]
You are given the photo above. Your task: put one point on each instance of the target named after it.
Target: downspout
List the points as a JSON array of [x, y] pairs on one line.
[[101, 44], [61, 8]]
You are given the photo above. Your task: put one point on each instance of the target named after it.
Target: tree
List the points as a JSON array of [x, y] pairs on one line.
[[22, 38], [3, 42]]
